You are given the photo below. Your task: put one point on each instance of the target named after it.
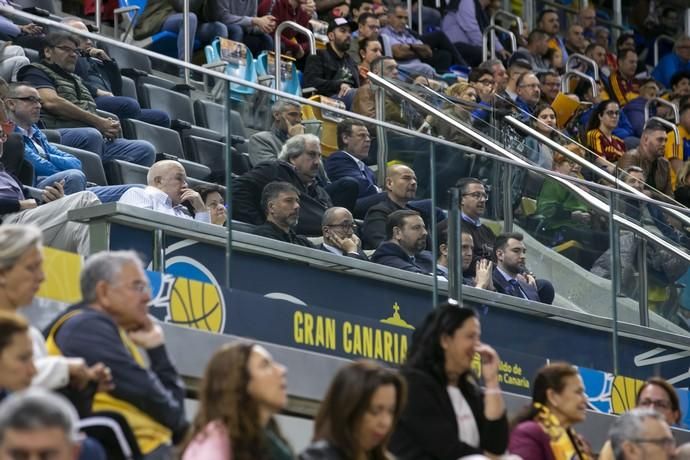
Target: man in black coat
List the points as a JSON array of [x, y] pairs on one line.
[[339, 234], [406, 241], [510, 263], [280, 202]]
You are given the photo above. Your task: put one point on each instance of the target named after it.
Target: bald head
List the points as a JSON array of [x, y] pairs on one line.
[[76, 23], [169, 177], [401, 184]]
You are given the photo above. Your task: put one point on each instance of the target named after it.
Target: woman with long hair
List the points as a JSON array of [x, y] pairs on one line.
[[544, 123], [16, 354], [358, 414], [607, 147], [448, 415], [241, 391], [544, 430]]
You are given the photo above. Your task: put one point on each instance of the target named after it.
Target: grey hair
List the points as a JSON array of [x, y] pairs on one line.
[[15, 240], [282, 104], [104, 266], [329, 213], [489, 65], [629, 427], [35, 409], [296, 146]]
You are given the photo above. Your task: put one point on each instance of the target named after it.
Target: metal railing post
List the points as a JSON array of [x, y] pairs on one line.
[[615, 259], [660, 101], [655, 49], [489, 40], [565, 81], [381, 135], [99, 7], [228, 188], [187, 50], [581, 57], [617, 19], [642, 282], [508, 199], [686, 21], [279, 30], [508, 14], [420, 28], [158, 260], [528, 12], [454, 246], [434, 233]]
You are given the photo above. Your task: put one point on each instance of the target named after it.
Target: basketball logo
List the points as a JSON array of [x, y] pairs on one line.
[[624, 393]]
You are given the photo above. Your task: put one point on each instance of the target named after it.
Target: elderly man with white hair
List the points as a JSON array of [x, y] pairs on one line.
[[298, 164], [166, 192], [642, 434]]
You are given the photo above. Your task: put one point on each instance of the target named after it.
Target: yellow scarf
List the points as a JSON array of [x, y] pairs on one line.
[[565, 443]]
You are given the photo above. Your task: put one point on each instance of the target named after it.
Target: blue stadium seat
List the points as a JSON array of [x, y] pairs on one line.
[[241, 66], [290, 83]]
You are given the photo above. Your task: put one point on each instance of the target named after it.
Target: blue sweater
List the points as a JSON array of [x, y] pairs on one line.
[[54, 160]]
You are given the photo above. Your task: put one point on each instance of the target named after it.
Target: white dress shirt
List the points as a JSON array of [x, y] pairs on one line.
[[156, 200]]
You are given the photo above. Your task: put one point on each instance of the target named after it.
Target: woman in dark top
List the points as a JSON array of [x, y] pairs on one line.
[[358, 414], [448, 415]]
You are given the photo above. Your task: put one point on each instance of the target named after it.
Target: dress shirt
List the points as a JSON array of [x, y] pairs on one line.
[[514, 283], [156, 200]]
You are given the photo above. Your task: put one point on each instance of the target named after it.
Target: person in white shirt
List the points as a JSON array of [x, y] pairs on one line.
[[166, 192]]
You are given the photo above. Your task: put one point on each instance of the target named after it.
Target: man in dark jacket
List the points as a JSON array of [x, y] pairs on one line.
[[339, 234], [332, 71], [510, 264], [280, 202], [298, 164], [405, 244]]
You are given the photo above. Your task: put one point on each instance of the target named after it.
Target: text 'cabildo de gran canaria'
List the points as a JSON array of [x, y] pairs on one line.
[[354, 339]]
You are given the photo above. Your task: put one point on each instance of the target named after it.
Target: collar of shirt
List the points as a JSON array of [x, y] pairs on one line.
[[506, 276], [160, 197], [333, 249], [477, 223], [360, 163], [28, 133]]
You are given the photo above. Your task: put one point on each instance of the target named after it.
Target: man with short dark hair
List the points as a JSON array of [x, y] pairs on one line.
[[496, 67], [287, 122], [368, 29], [360, 8], [353, 144], [624, 86], [509, 253], [517, 68], [38, 424], [68, 105], [110, 326], [280, 203], [549, 21], [473, 199], [680, 84], [339, 234], [535, 52], [642, 434], [528, 94], [649, 155], [405, 243], [550, 85], [575, 42]]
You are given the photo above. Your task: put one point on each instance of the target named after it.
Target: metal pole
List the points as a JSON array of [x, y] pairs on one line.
[[686, 21], [508, 200], [528, 13], [617, 18], [409, 11], [158, 261], [98, 15], [420, 28], [187, 51], [454, 247], [615, 258], [434, 235], [642, 282], [382, 154], [228, 187]]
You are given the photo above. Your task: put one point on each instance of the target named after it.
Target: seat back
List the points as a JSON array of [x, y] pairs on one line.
[[129, 88], [210, 115], [212, 154], [122, 172], [329, 122], [289, 81], [129, 60], [240, 64], [164, 140], [91, 164], [177, 105]]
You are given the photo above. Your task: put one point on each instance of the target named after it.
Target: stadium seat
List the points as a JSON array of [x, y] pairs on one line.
[[32, 55], [212, 154], [164, 140], [129, 88], [240, 65], [122, 172], [290, 83], [210, 115], [91, 164]]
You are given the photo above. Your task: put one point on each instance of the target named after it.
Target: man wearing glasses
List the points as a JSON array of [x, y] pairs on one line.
[[69, 106], [528, 94], [340, 234], [642, 434]]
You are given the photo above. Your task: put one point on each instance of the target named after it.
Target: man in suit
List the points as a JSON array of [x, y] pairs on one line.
[[405, 243], [510, 254], [338, 229]]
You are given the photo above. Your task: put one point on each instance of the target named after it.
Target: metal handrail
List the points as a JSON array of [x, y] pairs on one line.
[[485, 40], [677, 139], [279, 30], [508, 14], [565, 82], [658, 100], [658, 39], [581, 57]]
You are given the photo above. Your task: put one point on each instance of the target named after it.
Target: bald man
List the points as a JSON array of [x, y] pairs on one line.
[[166, 192]]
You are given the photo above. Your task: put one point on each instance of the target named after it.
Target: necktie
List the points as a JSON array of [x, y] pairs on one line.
[[515, 288]]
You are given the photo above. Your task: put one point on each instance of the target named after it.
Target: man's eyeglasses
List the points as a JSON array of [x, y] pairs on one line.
[[486, 82], [402, 17], [657, 403], [345, 226], [665, 443], [30, 99], [477, 195], [140, 287], [67, 49]]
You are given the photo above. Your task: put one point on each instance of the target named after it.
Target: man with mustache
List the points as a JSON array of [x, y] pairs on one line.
[[405, 244]]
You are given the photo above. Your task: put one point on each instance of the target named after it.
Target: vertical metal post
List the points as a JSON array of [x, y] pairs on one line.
[[508, 199], [381, 135], [584, 4], [528, 13], [187, 50], [409, 12], [506, 5], [158, 260], [617, 19], [454, 247], [228, 186], [434, 233], [642, 282], [420, 27], [98, 15], [686, 21], [615, 259]]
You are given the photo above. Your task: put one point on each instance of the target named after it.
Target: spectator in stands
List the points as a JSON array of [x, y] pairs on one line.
[[358, 413], [364, 102], [480, 277], [607, 147], [280, 202], [369, 51], [298, 164], [50, 164], [536, 50], [544, 429], [575, 42], [680, 85], [678, 156], [641, 433], [464, 25], [287, 122], [405, 244], [339, 232], [674, 62], [550, 85], [241, 391], [16, 354], [361, 7], [108, 326], [682, 190], [473, 198], [649, 156], [545, 123], [212, 196], [624, 86], [484, 83], [528, 95], [597, 53], [166, 15], [38, 424], [509, 254], [51, 217], [167, 192], [368, 29], [293, 43], [549, 22], [498, 70], [439, 376], [19, 32], [101, 76], [419, 55], [635, 109], [353, 144], [587, 18], [67, 103], [517, 68], [332, 71]]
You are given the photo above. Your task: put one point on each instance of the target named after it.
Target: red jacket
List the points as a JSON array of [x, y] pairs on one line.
[[282, 11]]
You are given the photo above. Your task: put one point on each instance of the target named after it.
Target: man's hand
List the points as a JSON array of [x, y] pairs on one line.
[[293, 129], [300, 53], [100, 92], [581, 217], [54, 192], [31, 29], [194, 199], [100, 373], [265, 24], [484, 274], [27, 204], [344, 88], [504, 55], [422, 50], [98, 54], [308, 6], [108, 127], [148, 336], [346, 245]]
